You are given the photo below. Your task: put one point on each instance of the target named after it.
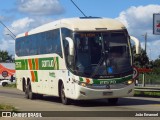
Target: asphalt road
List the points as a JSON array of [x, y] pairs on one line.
[[48, 103]]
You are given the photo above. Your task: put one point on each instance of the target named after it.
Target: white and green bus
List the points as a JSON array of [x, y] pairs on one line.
[[76, 58]]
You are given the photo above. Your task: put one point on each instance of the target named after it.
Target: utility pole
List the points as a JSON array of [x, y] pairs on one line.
[[144, 79], [145, 37]]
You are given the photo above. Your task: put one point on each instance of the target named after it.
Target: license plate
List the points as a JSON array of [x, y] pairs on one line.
[[107, 93]]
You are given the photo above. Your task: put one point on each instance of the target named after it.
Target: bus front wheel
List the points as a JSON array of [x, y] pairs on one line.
[[64, 99]]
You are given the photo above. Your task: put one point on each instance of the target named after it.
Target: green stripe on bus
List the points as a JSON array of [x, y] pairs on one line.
[[36, 75], [112, 81], [54, 63], [26, 64], [81, 79], [46, 63], [50, 63], [57, 63], [20, 65], [33, 64], [108, 81]]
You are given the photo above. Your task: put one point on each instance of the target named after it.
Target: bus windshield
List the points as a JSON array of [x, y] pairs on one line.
[[100, 54]]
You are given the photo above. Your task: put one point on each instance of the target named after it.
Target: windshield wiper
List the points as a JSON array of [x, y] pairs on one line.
[[103, 58], [98, 65]]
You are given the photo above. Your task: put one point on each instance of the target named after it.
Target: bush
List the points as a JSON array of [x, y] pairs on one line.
[[5, 107], [11, 85]]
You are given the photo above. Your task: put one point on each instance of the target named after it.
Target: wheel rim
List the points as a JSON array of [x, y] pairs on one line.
[[63, 95], [26, 91]]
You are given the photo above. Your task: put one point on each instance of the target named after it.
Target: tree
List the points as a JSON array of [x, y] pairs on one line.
[[4, 56], [157, 63], [156, 66], [140, 60]]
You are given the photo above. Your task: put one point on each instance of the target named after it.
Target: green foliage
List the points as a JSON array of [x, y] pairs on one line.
[[140, 60], [156, 70], [11, 85], [157, 62], [147, 94], [151, 78], [4, 56], [156, 66], [5, 107]]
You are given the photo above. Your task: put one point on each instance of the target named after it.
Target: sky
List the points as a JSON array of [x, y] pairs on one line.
[[22, 15]]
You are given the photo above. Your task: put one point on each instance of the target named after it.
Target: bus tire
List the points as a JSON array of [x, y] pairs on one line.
[[63, 97], [23, 85], [4, 84], [113, 101], [28, 92]]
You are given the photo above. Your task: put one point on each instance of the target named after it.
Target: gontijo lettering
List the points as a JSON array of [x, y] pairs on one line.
[[47, 63]]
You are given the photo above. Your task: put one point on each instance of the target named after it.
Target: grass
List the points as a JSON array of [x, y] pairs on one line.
[[147, 94], [4, 107], [11, 85]]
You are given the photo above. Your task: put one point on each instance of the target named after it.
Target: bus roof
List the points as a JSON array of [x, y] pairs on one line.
[[78, 24]]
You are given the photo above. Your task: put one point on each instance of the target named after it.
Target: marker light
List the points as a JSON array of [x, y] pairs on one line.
[[83, 84]]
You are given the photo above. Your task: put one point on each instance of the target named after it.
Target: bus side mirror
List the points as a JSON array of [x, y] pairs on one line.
[[71, 46], [70, 59], [137, 44]]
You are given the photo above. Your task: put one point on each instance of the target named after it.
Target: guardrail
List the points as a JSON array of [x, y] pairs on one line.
[[147, 89]]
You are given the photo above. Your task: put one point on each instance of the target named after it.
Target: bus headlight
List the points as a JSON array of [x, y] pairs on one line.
[[129, 82]]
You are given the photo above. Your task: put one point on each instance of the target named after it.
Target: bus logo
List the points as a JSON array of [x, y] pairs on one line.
[[18, 65], [47, 63], [108, 82]]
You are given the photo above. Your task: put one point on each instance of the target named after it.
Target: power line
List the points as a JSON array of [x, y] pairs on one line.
[[7, 28], [11, 36], [78, 8]]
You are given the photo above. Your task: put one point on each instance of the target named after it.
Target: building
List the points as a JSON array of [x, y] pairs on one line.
[[7, 70]]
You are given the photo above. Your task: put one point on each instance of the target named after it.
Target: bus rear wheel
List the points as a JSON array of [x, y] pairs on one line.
[[63, 97], [113, 101], [28, 92]]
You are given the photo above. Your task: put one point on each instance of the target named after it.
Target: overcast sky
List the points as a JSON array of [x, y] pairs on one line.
[[23, 15]]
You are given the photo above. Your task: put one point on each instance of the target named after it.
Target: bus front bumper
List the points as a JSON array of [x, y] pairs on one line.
[[84, 93]]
